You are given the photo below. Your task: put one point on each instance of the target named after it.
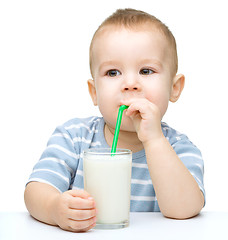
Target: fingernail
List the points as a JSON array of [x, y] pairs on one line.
[[90, 198]]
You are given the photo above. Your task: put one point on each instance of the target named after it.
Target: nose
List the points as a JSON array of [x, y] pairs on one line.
[[131, 84]]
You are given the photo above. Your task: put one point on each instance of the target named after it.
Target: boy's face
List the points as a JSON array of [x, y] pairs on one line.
[[130, 64]]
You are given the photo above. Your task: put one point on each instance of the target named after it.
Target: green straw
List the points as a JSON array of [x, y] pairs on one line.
[[118, 123]]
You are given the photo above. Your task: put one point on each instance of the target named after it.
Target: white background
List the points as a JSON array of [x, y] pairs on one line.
[[44, 68]]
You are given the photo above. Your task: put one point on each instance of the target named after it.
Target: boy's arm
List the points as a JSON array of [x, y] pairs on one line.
[[39, 198], [177, 191], [73, 210]]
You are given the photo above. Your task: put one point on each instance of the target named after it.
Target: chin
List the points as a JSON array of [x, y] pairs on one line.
[[127, 125]]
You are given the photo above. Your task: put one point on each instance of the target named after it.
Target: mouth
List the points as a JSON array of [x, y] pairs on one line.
[[122, 107]]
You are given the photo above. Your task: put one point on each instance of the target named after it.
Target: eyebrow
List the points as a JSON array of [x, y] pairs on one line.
[[153, 61], [108, 63]]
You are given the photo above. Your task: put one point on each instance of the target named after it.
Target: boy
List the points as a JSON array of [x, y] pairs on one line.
[[133, 61]]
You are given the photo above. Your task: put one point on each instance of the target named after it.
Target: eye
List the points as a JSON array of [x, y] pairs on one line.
[[146, 71], [113, 73]]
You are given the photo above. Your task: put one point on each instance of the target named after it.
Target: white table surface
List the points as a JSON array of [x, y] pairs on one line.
[[207, 225]]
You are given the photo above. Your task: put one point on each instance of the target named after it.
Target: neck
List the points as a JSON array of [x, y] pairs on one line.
[[127, 140]]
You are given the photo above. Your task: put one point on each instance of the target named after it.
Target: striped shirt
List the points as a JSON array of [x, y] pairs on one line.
[[61, 163]]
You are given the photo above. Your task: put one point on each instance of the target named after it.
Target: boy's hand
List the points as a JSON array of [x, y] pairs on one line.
[[74, 210], [146, 118]]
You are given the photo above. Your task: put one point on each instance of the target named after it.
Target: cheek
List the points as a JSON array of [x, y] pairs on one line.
[[159, 97], [107, 93], [107, 104], [105, 98], [103, 103]]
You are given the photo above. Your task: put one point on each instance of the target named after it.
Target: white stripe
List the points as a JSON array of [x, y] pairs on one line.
[[196, 177], [139, 165], [80, 172], [60, 161], [76, 139], [98, 120], [189, 155], [79, 139], [71, 154], [56, 173], [200, 166], [64, 135], [91, 120], [77, 188], [139, 181], [143, 198], [43, 181], [95, 144], [80, 125]]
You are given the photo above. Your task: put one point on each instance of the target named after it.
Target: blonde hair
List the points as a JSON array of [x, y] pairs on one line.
[[131, 18]]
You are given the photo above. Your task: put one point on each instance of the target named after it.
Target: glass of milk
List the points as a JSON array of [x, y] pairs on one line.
[[107, 178]]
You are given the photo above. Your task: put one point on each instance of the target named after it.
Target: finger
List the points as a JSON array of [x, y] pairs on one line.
[[134, 110], [130, 101], [142, 108], [81, 214], [88, 228], [79, 193], [82, 225], [81, 203], [82, 230]]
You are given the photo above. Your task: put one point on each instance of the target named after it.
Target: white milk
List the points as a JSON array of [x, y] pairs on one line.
[[108, 180]]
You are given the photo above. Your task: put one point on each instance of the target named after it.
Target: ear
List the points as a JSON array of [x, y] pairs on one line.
[[177, 87], [92, 91]]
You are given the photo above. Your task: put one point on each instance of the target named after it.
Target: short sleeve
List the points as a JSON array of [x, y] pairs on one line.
[[58, 163]]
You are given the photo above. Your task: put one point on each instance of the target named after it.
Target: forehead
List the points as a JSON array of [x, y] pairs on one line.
[[107, 30], [137, 38]]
